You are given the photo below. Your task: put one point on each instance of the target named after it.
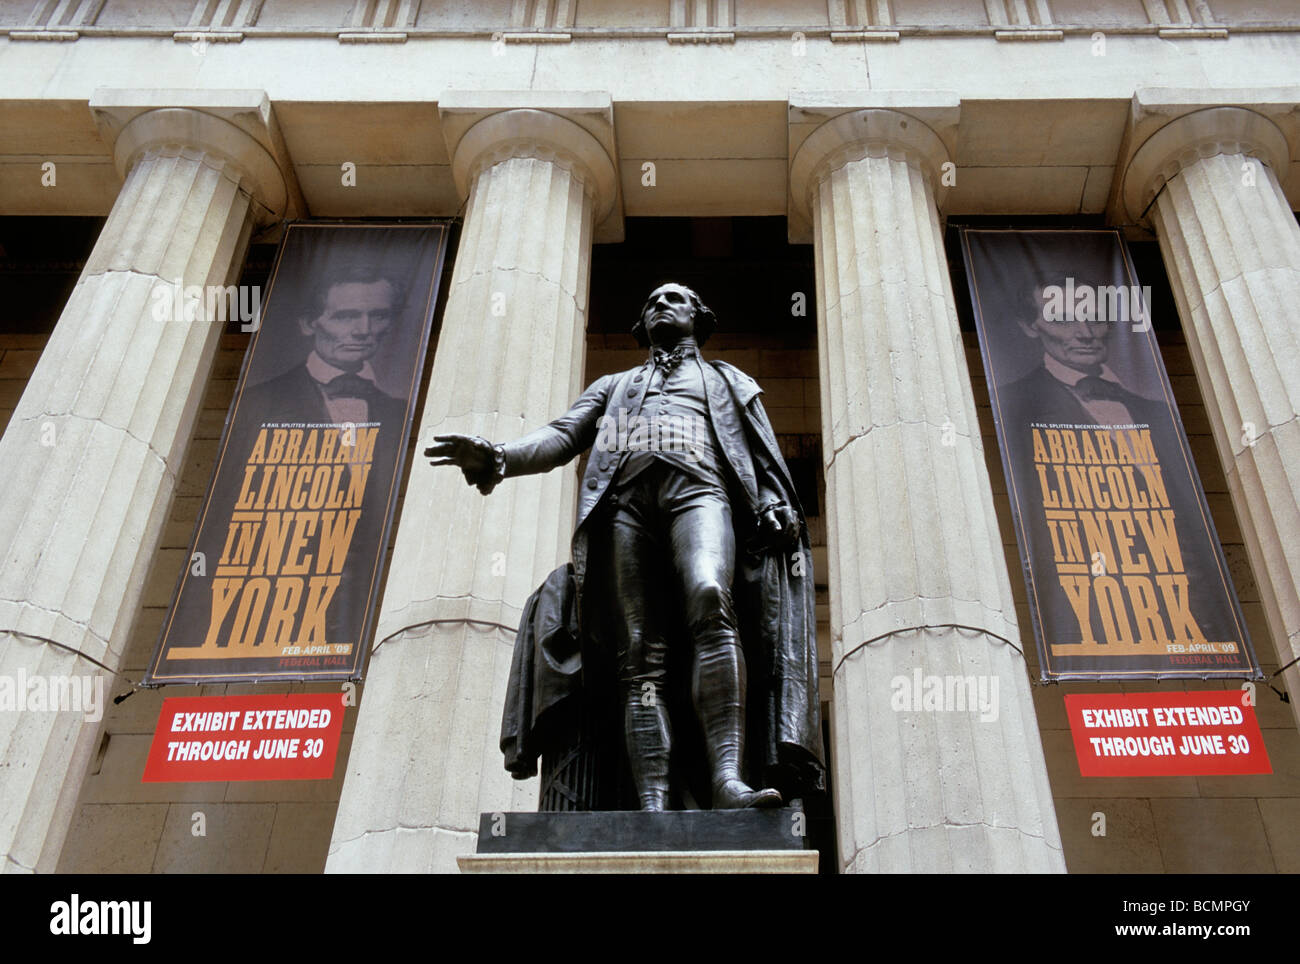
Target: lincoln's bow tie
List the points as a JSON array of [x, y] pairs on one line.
[[1094, 388], [350, 386]]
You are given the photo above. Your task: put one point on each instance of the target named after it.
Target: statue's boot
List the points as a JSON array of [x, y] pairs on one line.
[[719, 692], [739, 795], [648, 742], [654, 799]]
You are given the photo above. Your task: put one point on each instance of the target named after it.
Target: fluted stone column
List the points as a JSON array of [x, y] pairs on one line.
[[918, 580], [1231, 246], [93, 450], [425, 759]]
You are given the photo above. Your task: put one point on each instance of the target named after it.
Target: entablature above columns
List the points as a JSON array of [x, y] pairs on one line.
[[654, 157]]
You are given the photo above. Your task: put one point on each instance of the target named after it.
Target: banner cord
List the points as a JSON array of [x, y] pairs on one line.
[[1285, 668], [1282, 695]]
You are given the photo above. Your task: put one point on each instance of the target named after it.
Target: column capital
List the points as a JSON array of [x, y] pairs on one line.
[[1170, 127], [1196, 135], [575, 129], [237, 126], [827, 131]]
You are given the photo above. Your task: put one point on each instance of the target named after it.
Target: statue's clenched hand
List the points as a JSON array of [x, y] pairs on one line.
[[778, 527], [480, 461]]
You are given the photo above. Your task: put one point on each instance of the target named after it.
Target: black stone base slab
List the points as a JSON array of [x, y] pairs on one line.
[[630, 831]]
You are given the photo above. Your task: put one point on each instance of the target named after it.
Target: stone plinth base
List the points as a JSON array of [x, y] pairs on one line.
[[621, 831], [647, 862], [634, 842]]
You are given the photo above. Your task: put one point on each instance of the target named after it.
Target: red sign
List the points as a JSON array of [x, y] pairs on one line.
[[1165, 734], [213, 738]]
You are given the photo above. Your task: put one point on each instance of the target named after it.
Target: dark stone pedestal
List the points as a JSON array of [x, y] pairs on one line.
[[629, 841], [620, 831]]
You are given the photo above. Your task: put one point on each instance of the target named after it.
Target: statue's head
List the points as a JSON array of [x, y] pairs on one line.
[[671, 312]]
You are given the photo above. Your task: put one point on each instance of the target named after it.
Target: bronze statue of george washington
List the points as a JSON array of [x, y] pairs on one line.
[[685, 623]]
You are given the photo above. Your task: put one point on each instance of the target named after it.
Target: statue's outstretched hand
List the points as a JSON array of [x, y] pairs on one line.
[[477, 458]]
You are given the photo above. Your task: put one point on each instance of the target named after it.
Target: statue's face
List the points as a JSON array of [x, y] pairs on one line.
[[668, 315]]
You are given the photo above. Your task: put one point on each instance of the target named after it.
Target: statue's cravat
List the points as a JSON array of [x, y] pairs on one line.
[[668, 359]]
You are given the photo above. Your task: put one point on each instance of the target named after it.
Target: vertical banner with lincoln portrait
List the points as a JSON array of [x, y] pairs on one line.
[[289, 548], [1124, 570]]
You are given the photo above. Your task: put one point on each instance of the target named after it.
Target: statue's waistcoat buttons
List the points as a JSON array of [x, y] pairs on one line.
[[592, 483]]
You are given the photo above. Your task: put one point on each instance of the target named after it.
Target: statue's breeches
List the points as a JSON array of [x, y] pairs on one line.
[[673, 544]]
